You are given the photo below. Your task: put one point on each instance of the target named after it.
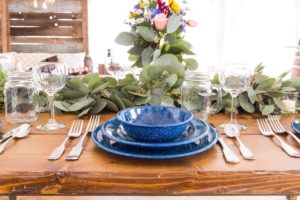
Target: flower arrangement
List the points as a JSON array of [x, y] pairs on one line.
[[157, 30]]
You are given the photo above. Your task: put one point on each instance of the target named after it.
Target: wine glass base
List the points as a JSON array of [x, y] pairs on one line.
[[50, 126], [240, 126]]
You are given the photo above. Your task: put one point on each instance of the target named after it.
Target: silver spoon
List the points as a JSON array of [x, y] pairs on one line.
[[233, 131], [21, 132]]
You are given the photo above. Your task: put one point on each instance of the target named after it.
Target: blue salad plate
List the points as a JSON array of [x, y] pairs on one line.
[[296, 126], [117, 148], [196, 131]]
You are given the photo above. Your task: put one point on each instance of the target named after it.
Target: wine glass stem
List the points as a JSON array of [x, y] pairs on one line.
[[233, 110], [51, 107]]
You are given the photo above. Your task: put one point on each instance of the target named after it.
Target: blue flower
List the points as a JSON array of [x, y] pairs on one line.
[[154, 12]]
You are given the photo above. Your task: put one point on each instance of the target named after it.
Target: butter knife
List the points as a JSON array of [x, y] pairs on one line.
[[229, 155]]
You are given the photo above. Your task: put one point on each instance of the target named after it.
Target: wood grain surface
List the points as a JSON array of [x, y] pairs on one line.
[[25, 169]]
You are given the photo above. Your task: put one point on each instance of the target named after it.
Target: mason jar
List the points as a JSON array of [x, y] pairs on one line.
[[198, 95], [20, 98]]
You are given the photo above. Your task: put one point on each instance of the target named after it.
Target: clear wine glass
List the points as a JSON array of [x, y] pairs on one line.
[[50, 78], [235, 79]]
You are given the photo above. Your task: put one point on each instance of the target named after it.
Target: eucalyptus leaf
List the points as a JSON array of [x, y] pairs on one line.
[[128, 80], [147, 56], [259, 77], [142, 100], [279, 103], [251, 95], [93, 82], [90, 76], [155, 100], [112, 82], [125, 38], [111, 106], [99, 106], [259, 68], [81, 104], [60, 106], [146, 33], [245, 103], [99, 88], [266, 84], [156, 55], [119, 102], [174, 22], [191, 63], [268, 109], [127, 103], [84, 112], [137, 94], [72, 94], [171, 80], [167, 101]]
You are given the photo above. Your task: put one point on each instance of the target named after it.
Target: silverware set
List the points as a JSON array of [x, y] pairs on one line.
[[270, 126], [75, 132]]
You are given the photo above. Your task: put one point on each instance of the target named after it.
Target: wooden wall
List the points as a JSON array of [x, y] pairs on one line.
[[4, 27], [61, 28]]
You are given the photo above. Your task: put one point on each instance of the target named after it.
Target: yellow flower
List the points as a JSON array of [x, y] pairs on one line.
[[132, 15], [141, 5], [174, 5]]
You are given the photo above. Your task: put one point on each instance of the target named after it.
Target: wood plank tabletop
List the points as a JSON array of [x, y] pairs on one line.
[[25, 170]]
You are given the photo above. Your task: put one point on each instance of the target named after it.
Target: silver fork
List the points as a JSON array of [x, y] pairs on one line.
[[77, 149], [266, 130], [278, 128], [74, 132]]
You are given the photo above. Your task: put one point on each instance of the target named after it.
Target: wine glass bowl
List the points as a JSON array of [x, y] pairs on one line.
[[235, 79], [50, 78]]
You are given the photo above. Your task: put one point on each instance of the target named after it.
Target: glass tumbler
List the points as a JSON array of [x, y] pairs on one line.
[[198, 95], [21, 98]]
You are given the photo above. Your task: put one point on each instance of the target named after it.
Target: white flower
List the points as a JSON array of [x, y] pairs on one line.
[[140, 20], [138, 12]]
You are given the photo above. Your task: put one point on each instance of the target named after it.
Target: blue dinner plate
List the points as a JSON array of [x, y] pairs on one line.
[[114, 147], [296, 126], [196, 131]]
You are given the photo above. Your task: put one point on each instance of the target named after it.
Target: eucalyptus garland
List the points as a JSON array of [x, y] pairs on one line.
[[160, 85]]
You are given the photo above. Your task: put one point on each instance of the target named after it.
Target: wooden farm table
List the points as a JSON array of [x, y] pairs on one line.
[[25, 170]]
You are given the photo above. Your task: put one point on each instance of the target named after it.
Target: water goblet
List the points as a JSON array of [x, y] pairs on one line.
[[234, 79], [50, 78]]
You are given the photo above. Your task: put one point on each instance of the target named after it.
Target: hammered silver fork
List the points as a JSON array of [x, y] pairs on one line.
[[266, 130], [74, 132], [77, 149], [278, 128]]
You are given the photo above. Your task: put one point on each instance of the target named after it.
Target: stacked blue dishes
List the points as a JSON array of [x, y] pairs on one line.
[[154, 132]]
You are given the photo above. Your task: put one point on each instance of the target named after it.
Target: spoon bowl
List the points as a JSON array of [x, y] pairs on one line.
[[21, 132]]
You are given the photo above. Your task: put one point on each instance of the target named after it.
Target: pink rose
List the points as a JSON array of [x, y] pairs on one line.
[[192, 23], [160, 21]]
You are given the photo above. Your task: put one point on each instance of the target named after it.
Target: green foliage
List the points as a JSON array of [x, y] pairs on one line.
[[264, 94], [159, 84], [2, 82]]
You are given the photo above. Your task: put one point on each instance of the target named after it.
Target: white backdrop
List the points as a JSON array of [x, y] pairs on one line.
[[250, 31]]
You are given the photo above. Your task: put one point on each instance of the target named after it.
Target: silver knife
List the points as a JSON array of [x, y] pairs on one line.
[[229, 155]]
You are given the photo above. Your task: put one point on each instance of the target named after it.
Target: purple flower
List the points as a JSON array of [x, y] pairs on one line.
[[137, 6], [154, 12], [182, 27]]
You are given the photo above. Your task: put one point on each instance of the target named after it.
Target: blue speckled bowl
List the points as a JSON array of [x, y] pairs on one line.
[[154, 123], [296, 126]]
